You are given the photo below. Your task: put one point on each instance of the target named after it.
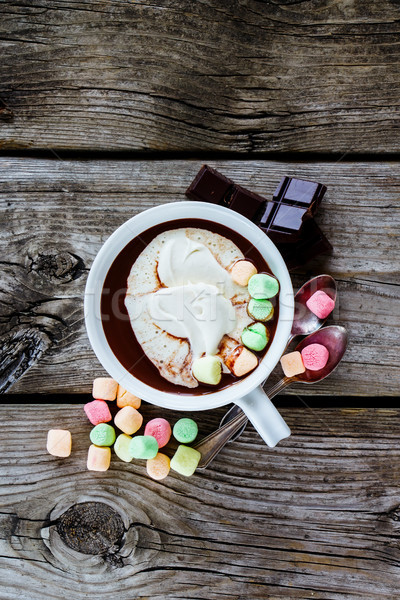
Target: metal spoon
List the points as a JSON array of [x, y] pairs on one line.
[[334, 338], [304, 323]]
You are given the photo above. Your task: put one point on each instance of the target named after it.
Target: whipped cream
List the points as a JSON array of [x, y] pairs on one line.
[[197, 312], [183, 261]]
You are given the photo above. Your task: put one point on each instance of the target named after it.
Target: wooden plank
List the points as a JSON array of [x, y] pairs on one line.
[[188, 76], [56, 215], [316, 517]]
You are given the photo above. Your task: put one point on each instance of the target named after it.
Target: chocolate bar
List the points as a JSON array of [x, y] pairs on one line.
[[287, 219], [211, 186]]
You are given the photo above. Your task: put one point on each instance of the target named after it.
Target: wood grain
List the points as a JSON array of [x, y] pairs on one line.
[[316, 517], [187, 76], [56, 215]]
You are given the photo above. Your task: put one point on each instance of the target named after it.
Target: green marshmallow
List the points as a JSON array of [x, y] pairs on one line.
[[260, 310], [262, 286], [185, 431], [207, 369], [102, 435], [121, 447], [185, 460], [143, 446], [255, 336]]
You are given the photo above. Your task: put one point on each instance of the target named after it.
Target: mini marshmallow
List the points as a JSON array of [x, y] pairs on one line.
[[320, 304], [207, 369], [159, 429], [97, 412], [125, 398], [315, 356], [102, 435], [260, 310], [185, 430], [255, 336], [59, 442], [128, 420], [262, 286], [241, 272], [241, 361], [143, 446], [158, 467], [292, 364], [185, 460], [98, 458], [121, 447], [104, 388]]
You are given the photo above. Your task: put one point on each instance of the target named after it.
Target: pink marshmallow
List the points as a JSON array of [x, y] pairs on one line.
[[315, 357], [320, 304], [97, 412], [159, 429]]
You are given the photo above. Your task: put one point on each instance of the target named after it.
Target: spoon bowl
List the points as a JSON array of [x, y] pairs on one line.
[[334, 338], [305, 322]]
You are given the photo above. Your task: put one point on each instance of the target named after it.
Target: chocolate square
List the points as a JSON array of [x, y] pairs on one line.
[[280, 190], [288, 218], [266, 216], [245, 202], [300, 191], [209, 186]]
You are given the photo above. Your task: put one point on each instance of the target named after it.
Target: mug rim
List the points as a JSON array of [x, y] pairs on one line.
[[132, 228]]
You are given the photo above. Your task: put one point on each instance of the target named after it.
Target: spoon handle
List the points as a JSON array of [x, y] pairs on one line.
[[279, 386], [290, 340], [211, 445]]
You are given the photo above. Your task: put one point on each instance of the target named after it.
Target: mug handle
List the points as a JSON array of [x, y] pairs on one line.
[[264, 416]]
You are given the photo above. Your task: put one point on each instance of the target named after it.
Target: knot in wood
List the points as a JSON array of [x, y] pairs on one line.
[[91, 528], [64, 266]]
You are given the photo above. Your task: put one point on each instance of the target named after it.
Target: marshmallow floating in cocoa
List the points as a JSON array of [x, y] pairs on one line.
[[241, 361], [241, 272]]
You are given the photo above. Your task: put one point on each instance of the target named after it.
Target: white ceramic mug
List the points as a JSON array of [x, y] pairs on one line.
[[248, 393]]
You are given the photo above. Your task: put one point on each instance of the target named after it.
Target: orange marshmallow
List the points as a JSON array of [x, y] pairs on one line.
[[104, 388], [292, 364], [99, 458], [128, 420], [59, 442], [158, 467], [241, 272], [125, 398], [241, 361]]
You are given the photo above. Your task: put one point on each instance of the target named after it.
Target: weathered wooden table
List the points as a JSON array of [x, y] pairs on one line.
[[108, 108]]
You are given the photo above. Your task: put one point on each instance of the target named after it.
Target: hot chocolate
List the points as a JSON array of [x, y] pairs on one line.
[[169, 299]]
